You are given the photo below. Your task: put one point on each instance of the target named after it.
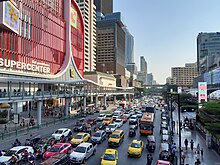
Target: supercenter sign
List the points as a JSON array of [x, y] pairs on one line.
[[33, 67]]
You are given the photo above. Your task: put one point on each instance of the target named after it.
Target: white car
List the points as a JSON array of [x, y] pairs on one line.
[[127, 114], [82, 152], [118, 122], [19, 150], [102, 116], [111, 128], [62, 132], [139, 114], [133, 119]]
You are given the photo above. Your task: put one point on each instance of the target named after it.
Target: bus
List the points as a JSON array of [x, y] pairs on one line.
[[146, 124]]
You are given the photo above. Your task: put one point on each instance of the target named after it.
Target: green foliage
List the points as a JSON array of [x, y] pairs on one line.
[[213, 127], [212, 106]]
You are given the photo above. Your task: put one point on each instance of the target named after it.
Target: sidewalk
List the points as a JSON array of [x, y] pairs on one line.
[[210, 157]]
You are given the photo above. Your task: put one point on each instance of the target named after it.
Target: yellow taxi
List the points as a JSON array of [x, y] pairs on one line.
[[107, 120], [135, 148], [110, 157], [109, 115], [79, 138], [116, 138]]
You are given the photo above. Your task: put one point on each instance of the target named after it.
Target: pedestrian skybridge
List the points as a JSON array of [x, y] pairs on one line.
[[29, 89]]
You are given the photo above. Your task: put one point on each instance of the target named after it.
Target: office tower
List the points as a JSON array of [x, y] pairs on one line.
[[184, 75], [129, 47], [104, 6], [150, 79], [111, 45], [208, 51], [88, 10], [143, 64]]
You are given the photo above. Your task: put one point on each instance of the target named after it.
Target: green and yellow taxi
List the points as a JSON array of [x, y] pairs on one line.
[[110, 157], [80, 138], [116, 138], [135, 148]]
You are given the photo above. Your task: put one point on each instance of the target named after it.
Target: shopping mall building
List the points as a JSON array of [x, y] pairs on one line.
[[40, 41]]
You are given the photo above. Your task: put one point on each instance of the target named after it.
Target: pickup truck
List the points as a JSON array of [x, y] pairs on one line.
[[82, 152]]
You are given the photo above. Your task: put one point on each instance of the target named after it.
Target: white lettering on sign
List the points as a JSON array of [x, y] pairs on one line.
[[34, 66]]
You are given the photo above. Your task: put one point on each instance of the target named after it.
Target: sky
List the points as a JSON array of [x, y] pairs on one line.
[[165, 31]]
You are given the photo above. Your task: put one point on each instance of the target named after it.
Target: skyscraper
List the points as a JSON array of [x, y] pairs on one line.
[[111, 45], [129, 47], [104, 6], [208, 51], [88, 10], [143, 64]]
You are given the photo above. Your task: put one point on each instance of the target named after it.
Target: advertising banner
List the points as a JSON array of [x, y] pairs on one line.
[[10, 17], [73, 18], [179, 89], [202, 91]]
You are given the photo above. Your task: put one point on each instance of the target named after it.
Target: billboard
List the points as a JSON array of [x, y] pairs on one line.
[[202, 91], [73, 17], [179, 89], [9, 16]]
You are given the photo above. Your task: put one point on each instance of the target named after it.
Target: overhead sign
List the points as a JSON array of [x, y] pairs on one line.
[[73, 17], [72, 73], [202, 91], [179, 89], [9, 16]]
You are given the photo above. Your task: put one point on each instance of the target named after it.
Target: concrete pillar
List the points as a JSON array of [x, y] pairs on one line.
[[18, 107], [39, 106], [84, 104], [114, 99], [91, 100], [28, 106], [66, 112], [96, 101], [104, 101]]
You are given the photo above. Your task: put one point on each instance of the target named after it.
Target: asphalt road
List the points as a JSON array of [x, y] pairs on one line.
[[122, 150]]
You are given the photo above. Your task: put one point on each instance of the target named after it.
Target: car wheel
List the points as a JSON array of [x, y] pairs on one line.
[[83, 161]]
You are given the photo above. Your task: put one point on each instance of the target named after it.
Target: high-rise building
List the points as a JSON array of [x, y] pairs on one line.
[[184, 75], [142, 76], [143, 64], [208, 51], [111, 45], [104, 6], [88, 10], [150, 79], [129, 47]]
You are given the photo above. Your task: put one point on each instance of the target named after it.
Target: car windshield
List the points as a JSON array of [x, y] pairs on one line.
[[80, 149], [117, 121], [58, 131], [114, 136], [107, 119], [97, 134], [54, 149], [78, 137], [101, 115], [133, 117], [110, 157], [10, 153], [135, 145], [111, 126]]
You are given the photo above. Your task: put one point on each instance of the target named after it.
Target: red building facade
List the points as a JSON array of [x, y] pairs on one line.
[[38, 49]]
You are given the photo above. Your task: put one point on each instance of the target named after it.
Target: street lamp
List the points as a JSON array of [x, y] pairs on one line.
[[178, 100]]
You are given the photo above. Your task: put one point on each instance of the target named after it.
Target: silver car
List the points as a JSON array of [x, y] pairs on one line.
[[98, 136]]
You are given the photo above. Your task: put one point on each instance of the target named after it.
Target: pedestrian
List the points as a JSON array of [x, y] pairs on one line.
[[198, 162], [198, 148], [5, 130], [149, 159], [191, 144], [173, 153], [201, 152], [183, 156], [186, 143]]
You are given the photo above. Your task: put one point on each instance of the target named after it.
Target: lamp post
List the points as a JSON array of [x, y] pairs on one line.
[[178, 100]]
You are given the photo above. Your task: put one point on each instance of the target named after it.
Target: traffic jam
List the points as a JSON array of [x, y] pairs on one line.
[[78, 144]]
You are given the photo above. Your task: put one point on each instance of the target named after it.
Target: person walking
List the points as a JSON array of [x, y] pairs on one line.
[[198, 148], [201, 152], [191, 144], [149, 159], [186, 143], [183, 157]]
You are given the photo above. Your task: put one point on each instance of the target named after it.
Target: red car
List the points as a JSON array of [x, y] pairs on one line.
[[57, 148], [124, 119], [91, 121]]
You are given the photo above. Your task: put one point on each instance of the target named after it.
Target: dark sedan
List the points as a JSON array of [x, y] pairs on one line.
[[79, 127], [99, 126]]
